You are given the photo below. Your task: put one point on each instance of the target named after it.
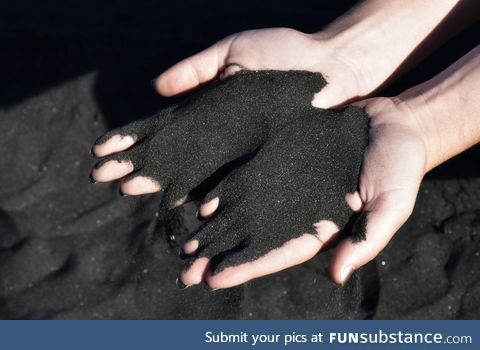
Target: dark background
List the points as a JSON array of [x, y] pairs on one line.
[[70, 70], [128, 43]]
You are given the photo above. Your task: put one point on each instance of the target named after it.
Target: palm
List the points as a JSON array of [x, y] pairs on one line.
[[272, 49], [393, 167]]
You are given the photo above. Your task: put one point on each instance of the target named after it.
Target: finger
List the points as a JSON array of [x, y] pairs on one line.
[[209, 240], [119, 140], [354, 201], [211, 202], [381, 221], [113, 144], [180, 189], [195, 273], [331, 96], [112, 170], [176, 194], [195, 70], [132, 156], [294, 252], [327, 232], [229, 70], [140, 185], [208, 209], [182, 201], [190, 247]]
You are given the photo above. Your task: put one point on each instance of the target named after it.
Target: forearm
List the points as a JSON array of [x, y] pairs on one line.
[[383, 38], [447, 109]]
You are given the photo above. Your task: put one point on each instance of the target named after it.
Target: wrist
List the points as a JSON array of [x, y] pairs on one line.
[[448, 108], [421, 120], [352, 48], [393, 113], [367, 51], [372, 37], [416, 112]]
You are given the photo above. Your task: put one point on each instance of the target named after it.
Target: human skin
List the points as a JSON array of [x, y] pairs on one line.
[[356, 54], [351, 53], [410, 135]]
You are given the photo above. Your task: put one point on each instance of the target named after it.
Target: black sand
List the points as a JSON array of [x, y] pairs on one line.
[[75, 69], [305, 159]]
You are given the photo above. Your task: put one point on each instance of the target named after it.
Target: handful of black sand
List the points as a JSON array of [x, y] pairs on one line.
[[294, 163]]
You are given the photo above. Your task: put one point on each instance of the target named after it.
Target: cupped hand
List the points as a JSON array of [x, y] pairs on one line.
[[275, 211], [343, 66], [393, 167], [176, 150]]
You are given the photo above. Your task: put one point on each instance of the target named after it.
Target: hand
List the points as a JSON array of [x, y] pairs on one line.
[[275, 211], [410, 135], [357, 53], [393, 167], [394, 164], [400, 151], [279, 49]]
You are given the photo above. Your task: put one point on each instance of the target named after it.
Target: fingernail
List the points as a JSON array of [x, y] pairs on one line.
[[152, 83], [123, 194], [180, 284], [198, 216], [208, 288], [346, 273], [91, 152], [92, 180]]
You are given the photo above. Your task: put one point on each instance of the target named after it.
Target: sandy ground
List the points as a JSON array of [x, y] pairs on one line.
[[74, 69]]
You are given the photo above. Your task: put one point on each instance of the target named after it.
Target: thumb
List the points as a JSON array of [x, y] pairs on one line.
[[334, 95], [195, 70], [379, 221]]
